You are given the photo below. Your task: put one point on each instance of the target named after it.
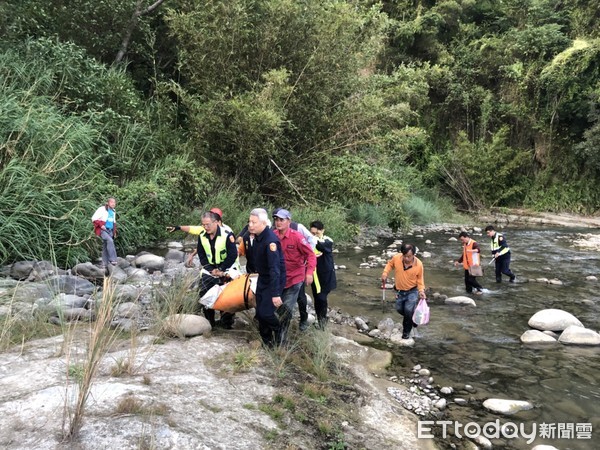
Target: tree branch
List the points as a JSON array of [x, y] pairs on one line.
[[132, 25]]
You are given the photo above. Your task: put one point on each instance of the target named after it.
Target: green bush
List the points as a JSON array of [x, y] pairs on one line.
[[149, 203]]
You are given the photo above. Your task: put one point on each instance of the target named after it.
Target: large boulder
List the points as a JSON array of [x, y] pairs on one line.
[[553, 320], [126, 293], [43, 270], [175, 255], [149, 262], [186, 325], [88, 270], [137, 275], [30, 292], [70, 284], [20, 270], [536, 337], [576, 335], [68, 301], [117, 274], [506, 407], [460, 300]]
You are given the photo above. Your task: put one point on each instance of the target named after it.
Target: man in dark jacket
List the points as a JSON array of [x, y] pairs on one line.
[[217, 253], [270, 266], [501, 253]]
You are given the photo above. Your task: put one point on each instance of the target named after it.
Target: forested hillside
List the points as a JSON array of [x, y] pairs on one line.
[[352, 111]]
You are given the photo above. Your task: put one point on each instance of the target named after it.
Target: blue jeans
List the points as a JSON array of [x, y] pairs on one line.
[[109, 254], [289, 297], [406, 302]]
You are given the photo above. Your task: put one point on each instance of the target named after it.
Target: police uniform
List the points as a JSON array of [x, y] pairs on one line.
[[270, 266], [501, 252], [219, 253]]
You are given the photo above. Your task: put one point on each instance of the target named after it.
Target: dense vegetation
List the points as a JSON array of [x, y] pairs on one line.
[[350, 111]]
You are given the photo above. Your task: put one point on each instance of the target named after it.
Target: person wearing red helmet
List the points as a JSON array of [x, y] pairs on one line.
[[197, 230], [219, 213]]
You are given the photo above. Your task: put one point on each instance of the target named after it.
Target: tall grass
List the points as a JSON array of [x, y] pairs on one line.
[[368, 214], [101, 338], [320, 354], [430, 208], [48, 172]]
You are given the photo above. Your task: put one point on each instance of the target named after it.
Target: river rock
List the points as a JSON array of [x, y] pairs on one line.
[[396, 338], [507, 407], [175, 245], [544, 447], [68, 301], [73, 314], [447, 390], [555, 281], [483, 442], [579, 336], [43, 270], [117, 274], [20, 270], [386, 326], [88, 270], [30, 292], [553, 320], [128, 309], [126, 293], [361, 324], [70, 284], [186, 325], [591, 278], [149, 262], [123, 324], [375, 333], [175, 255], [137, 275], [536, 337], [440, 404], [460, 300]]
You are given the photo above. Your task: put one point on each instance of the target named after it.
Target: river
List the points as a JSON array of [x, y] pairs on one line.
[[480, 345]]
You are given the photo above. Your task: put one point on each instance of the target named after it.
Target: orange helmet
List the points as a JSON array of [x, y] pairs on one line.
[[218, 212]]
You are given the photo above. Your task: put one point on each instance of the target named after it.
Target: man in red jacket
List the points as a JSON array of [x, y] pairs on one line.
[[300, 263]]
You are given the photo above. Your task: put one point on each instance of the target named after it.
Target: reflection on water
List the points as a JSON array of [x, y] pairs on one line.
[[480, 346]]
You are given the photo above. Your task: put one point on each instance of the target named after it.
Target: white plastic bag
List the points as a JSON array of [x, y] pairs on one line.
[[421, 314]]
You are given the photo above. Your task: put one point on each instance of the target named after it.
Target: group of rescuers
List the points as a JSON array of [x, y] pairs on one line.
[[408, 272], [286, 258]]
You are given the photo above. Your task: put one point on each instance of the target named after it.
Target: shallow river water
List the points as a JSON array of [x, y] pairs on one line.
[[480, 345]]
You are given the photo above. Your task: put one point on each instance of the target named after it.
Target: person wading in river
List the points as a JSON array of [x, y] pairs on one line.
[[471, 256], [501, 253], [409, 282]]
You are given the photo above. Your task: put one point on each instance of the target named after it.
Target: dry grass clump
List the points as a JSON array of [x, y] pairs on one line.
[[130, 404]]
